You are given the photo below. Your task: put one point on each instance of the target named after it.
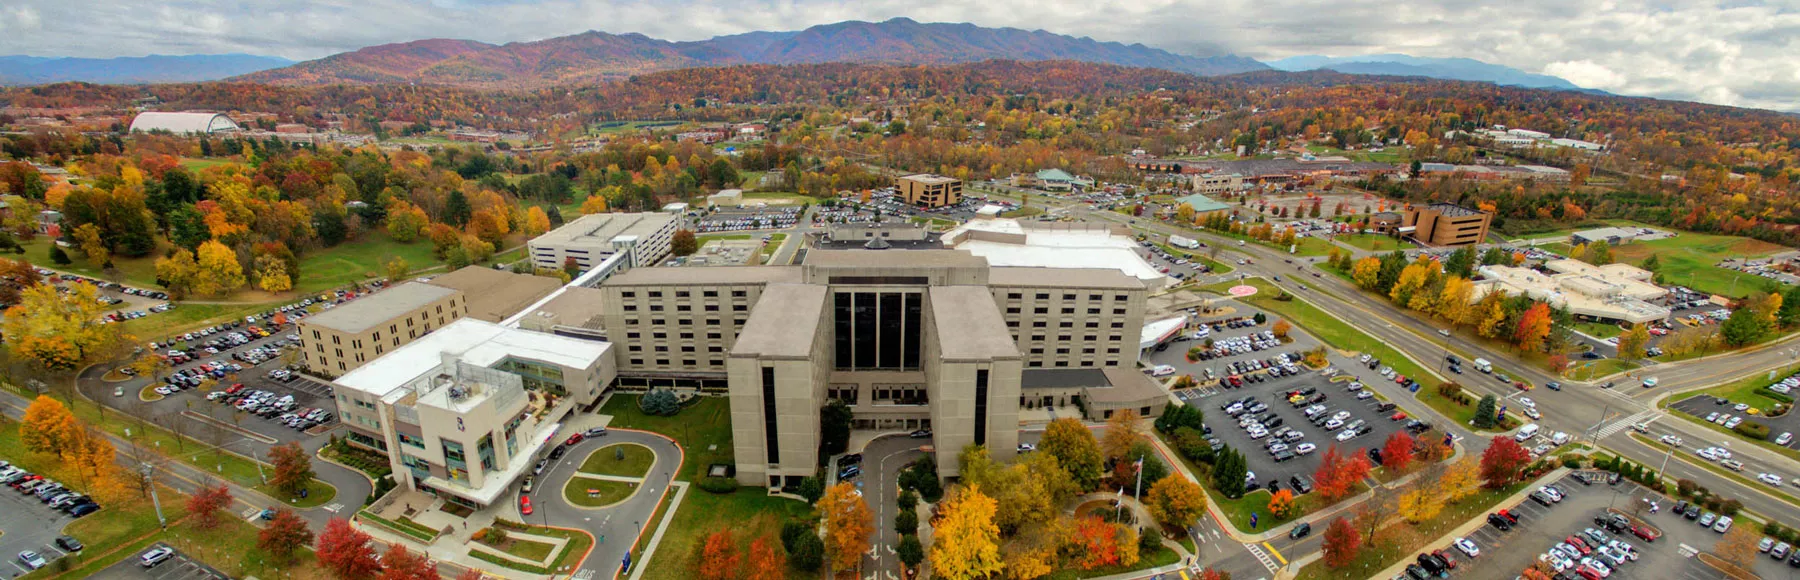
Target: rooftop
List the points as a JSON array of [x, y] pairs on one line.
[[1110, 278], [912, 259], [784, 322], [575, 306], [494, 295], [1453, 210], [929, 179], [1201, 203], [472, 341], [601, 228], [1055, 175], [1007, 242], [1062, 378], [969, 326], [373, 310]]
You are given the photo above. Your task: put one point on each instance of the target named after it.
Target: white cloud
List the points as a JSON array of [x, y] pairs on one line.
[[1737, 53]]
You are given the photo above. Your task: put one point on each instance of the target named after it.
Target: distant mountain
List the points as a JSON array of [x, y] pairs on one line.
[[594, 56], [1461, 69], [156, 68]]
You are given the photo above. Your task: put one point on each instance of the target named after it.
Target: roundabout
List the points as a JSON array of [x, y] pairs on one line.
[[608, 476]]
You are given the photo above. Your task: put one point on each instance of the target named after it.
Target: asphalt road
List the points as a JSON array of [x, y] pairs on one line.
[[616, 527]]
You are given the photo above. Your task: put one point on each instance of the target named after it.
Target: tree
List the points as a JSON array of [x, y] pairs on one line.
[[1175, 501], [1738, 547], [812, 488], [399, 563], [293, 467], [1229, 471], [1534, 327], [1460, 480], [205, 503], [764, 563], [1366, 272], [593, 204], [397, 269], [659, 402], [1120, 434], [284, 534], [347, 552], [1096, 543], [1075, 450], [457, 211], [59, 256], [807, 553], [1419, 504], [1338, 474], [1486, 411], [966, 543], [1397, 454], [1281, 329], [683, 243], [848, 524], [834, 428], [1214, 573], [906, 522], [405, 221], [1503, 462], [88, 238], [177, 272], [58, 331], [1281, 504], [718, 556], [1742, 328], [1600, 253], [1342, 542], [49, 427], [272, 275], [219, 271], [1631, 343], [910, 552], [536, 222]]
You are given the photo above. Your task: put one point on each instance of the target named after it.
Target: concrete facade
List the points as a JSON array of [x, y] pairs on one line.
[[338, 340], [1444, 224], [926, 190], [644, 238]]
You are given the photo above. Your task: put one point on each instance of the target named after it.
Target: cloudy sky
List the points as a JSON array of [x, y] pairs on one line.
[[1732, 52]]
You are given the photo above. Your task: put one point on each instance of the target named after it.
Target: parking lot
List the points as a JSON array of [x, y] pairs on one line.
[[1541, 527], [178, 567], [1329, 397], [1703, 406], [28, 524]]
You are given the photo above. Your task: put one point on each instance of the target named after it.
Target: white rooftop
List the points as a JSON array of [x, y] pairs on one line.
[[476, 342], [1096, 247], [1155, 331]]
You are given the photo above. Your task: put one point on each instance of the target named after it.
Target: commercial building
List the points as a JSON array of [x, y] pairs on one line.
[[1612, 236], [1445, 224], [726, 198], [1218, 182], [1201, 203], [464, 412], [927, 190], [643, 237], [1034, 244], [1610, 293], [345, 337], [910, 339], [183, 123], [1049, 180]]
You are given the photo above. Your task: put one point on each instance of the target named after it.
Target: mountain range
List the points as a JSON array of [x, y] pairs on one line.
[[156, 68], [1460, 69], [598, 56]]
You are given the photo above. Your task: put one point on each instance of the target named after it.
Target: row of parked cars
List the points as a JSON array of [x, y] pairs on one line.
[[270, 405], [50, 492], [1237, 345]]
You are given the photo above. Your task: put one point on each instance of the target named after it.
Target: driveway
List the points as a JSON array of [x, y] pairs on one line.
[[883, 459], [616, 527]]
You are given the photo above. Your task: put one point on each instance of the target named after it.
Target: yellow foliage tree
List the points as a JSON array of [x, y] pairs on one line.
[[1365, 272], [1461, 479], [219, 271], [966, 543], [1420, 504], [397, 268], [272, 274], [178, 272], [594, 204], [60, 331], [1175, 501], [49, 427], [87, 237], [536, 222], [848, 524]]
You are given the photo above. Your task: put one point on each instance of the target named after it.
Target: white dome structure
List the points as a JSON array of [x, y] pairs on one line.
[[183, 123]]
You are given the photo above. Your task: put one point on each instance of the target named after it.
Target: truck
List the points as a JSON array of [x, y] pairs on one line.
[[1482, 364], [1182, 242]]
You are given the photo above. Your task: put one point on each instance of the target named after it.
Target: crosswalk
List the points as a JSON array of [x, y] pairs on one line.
[[584, 574], [1262, 556], [334, 507], [1615, 427]]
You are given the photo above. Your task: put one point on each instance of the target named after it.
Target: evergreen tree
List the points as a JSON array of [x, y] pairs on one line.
[[1485, 410], [457, 210]]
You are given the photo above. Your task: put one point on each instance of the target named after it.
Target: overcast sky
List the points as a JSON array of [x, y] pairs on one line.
[[1732, 52]]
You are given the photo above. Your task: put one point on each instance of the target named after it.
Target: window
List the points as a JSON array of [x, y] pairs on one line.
[[770, 442], [739, 308], [1039, 324], [687, 349], [681, 294], [1041, 310], [631, 335], [683, 308], [710, 294], [656, 294], [1068, 310], [1093, 325], [687, 336], [659, 335], [628, 294], [712, 322], [656, 308], [1062, 351], [634, 348], [1037, 350], [1121, 297], [661, 348], [1094, 297], [637, 361], [631, 308], [689, 362], [1063, 338], [714, 335], [712, 308], [1119, 311], [1014, 296], [1093, 311], [846, 393], [1043, 296], [662, 362], [739, 294], [1118, 325], [631, 322], [1114, 350], [1068, 297], [412, 440], [1066, 324], [1012, 310]]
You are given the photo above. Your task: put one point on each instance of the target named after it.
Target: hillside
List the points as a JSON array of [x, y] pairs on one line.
[[156, 68], [595, 56], [1456, 69]]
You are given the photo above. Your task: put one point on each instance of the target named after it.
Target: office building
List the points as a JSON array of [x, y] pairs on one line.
[[642, 237], [910, 339], [927, 190], [342, 338], [464, 412], [1445, 224], [1610, 293]]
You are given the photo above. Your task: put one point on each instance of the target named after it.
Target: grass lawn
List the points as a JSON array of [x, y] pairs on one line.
[[1588, 369], [703, 429], [1217, 266], [626, 459], [1161, 557], [139, 272], [1598, 329], [1688, 259], [187, 316], [1408, 537], [196, 164], [579, 545], [608, 492], [1373, 242], [530, 550], [359, 260]]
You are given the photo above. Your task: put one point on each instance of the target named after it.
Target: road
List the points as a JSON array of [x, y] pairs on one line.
[[614, 527]]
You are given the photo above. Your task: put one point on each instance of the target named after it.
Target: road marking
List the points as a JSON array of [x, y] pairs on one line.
[[1261, 557], [584, 574], [1275, 552], [334, 507]]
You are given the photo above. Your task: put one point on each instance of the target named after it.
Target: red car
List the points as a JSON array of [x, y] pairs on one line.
[[573, 439], [1398, 416], [524, 505], [235, 387], [1588, 572], [1649, 535], [1579, 545]]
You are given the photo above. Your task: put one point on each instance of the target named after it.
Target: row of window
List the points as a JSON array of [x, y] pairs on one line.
[[1065, 310], [687, 308], [683, 293], [663, 362], [1069, 297], [1064, 324]]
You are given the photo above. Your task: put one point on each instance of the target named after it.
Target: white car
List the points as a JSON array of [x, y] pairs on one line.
[[32, 560], [1598, 566], [1365, 395], [1533, 413], [1467, 547], [1556, 560], [1733, 423], [1671, 440], [1740, 407], [1305, 448], [1527, 402], [1784, 439], [1023, 447], [1346, 435], [1770, 478], [1723, 524], [1555, 494]]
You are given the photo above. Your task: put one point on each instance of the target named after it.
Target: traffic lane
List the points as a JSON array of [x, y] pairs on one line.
[[1752, 498], [882, 460]]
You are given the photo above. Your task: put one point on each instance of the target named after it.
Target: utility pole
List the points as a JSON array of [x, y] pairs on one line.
[[149, 475]]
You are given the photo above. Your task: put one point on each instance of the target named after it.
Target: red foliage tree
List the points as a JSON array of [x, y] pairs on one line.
[[346, 552], [285, 533], [1096, 541], [1503, 462], [1397, 454], [1338, 474], [205, 504], [765, 562], [1342, 542], [1214, 574], [399, 563], [719, 557]]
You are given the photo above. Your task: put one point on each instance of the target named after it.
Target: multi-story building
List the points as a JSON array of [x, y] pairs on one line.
[[1446, 224], [935, 339], [927, 190], [643, 238], [464, 412], [345, 337]]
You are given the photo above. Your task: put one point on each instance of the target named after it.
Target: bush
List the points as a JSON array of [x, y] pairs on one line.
[[714, 484], [1753, 430], [1451, 390], [659, 402], [808, 552], [1730, 507], [1149, 540], [906, 522], [1571, 461], [1773, 528], [812, 488], [1687, 487], [791, 531], [908, 500]]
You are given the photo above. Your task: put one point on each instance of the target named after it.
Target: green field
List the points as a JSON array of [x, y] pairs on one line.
[[1373, 242], [188, 316], [606, 491], [1586, 369], [606, 460], [359, 260], [1386, 155], [749, 513], [1688, 259], [1598, 329], [195, 165], [139, 272], [580, 543]]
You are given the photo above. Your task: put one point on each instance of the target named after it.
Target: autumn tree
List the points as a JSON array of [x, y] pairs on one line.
[[88, 238], [1631, 343], [1175, 501], [1032, 490], [96, 462], [966, 542], [293, 467], [205, 503], [1420, 503], [764, 563], [683, 243], [718, 556], [1503, 463], [177, 272], [1342, 543], [1281, 503], [399, 563], [1281, 329], [1120, 434], [59, 331], [1739, 547], [272, 275], [405, 221], [219, 271], [1397, 453], [1075, 450], [49, 427], [1095, 543], [1366, 272], [848, 524], [1534, 327], [536, 222], [397, 269], [593, 204], [284, 534], [346, 551], [1460, 480], [1338, 474]]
